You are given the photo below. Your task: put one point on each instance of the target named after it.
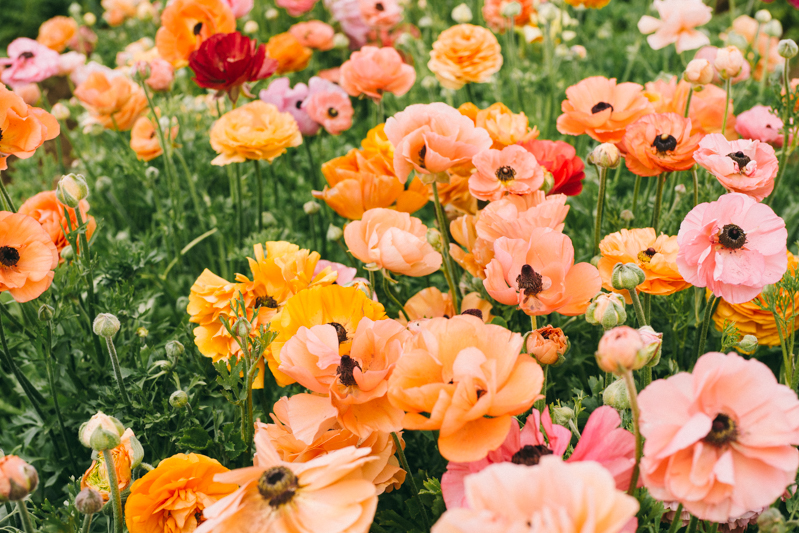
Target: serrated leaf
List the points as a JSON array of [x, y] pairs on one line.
[[196, 438]]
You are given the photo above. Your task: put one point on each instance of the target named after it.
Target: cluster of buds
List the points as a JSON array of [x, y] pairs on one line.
[[548, 345], [606, 309], [17, 478], [623, 348]]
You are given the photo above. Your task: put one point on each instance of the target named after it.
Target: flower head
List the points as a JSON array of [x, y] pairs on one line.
[[289, 99], [23, 128], [760, 123], [115, 103], [127, 455], [45, 208], [561, 161], [373, 71], [512, 170], [295, 8], [17, 478], [28, 62], [27, 257], [380, 14], [498, 21], [706, 109], [432, 303], [162, 73], [226, 61], [548, 345], [743, 166], [314, 34], [57, 32], [503, 125], [144, 139], [660, 143], [240, 8], [328, 105], [677, 24], [621, 349], [186, 24], [290, 54], [463, 54]]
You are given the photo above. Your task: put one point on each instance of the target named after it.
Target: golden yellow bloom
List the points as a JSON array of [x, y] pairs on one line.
[[465, 54], [377, 144], [504, 126]]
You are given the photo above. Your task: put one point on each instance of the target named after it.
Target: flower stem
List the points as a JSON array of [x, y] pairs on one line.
[[260, 182], [633, 394], [786, 133], [404, 463], [30, 392], [116, 501], [692, 524], [600, 206], [112, 353], [86, 258], [688, 102], [48, 347], [727, 87], [446, 264], [541, 404], [658, 203], [639, 309], [393, 298], [676, 523], [239, 206], [710, 306], [6, 198], [695, 177], [636, 190], [27, 523], [87, 524], [317, 183]]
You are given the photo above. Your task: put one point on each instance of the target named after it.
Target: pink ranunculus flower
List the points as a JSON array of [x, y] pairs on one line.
[[295, 8], [373, 71], [348, 14], [314, 34], [677, 24], [289, 100], [721, 439], [240, 8], [602, 441], [392, 240], [67, 63], [380, 14], [161, 75], [734, 246], [28, 62], [329, 105], [745, 166], [760, 124], [432, 138], [512, 170], [710, 52]]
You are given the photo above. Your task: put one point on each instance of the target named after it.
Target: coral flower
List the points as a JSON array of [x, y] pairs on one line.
[[394, 241], [655, 255], [329, 105], [720, 440], [380, 14], [373, 71], [17, 478], [432, 138], [49, 212], [328, 494], [295, 8], [171, 497], [547, 344], [677, 25], [226, 61], [492, 14], [186, 24], [706, 110], [162, 73], [290, 54], [23, 128], [289, 100], [602, 441], [709, 53], [766, 46], [463, 54], [144, 139], [503, 125], [659, 143], [512, 170], [114, 103], [30, 93], [561, 160], [432, 303], [28, 62], [743, 166], [598, 107], [733, 246], [125, 459], [27, 257], [761, 124], [56, 32], [466, 379], [253, 131], [314, 34]]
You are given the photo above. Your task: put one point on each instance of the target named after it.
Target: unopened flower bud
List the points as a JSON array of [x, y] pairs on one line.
[[136, 453], [90, 19], [434, 238], [340, 41], [71, 189], [242, 327], [250, 27], [548, 345], [607, 309], [763, 16], [334, 233], [462, 14], [46, 313], [60, 111], [547, 12], [74, 9], [179, 399], [429, 82], [549, 181], [17, 478], [561, 414], [627, 276], [511, 10], [310, 207], [627, 215], [268, 218], [771, 521], [102, 439], [787, 48], [652, 343], [67, 253], [621, 349], [737, 40], [99, 421], [89, 501], [606, 155], [616, 396], [773, 28], [699, 72], [174, 349], [748, 344], [729, 62], [151, 173], [679, 189], [106, 325], [579, 51], [271, 14]]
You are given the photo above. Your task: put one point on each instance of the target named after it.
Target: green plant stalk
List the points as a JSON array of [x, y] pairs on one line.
[[646, 376], [87, 524], [639, 309], [404, 463], [692, 524], [85, 255], [393, 298], [541, 403], [688, 102], [636, 190], [48, 343], [658, 203], [260, 183], [700, 342], [727, 88], [676, 523], [695, 177], [786, 134], [195, 199], [116, 501], [446, 264], [786, 361], [23, 381], [713, 528], [112, 353], [27, 523], [6, 198], [633, 394], [600, 206], [317, 183], [239, 207]]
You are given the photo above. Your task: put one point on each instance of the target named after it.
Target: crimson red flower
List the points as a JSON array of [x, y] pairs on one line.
[[561, 160], [226, 61]]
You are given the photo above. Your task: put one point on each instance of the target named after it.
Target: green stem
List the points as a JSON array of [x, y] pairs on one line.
[[446, 265], [48, 346], [317, 183], [692, 524], [688, 102], [260, 182], [27, 523], [239, 207], [658, 202], [727, 86], [393, 298], [33, 396], [639, 309], [785, 136], [676, 523], [633, 394], [195, 199], [86, 258], [646, 376], [541, 403], [6, 198], [116, 501], [636, 190], [710, 306], [600, 206], [404, 463], [695, 177], [112, 353], [87, 524], [713, 528]]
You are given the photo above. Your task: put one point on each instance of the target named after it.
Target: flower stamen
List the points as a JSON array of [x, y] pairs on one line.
[[9, 256], [722, 431], [278, 485], [530, 281], [601, 106], [530, 455], [505, 174], [740, 158], [732, 237], [665, 143], [340, 331], [345, 371]]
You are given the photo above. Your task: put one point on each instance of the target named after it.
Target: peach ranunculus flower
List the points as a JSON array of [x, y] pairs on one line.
[[115, 12], [463, 54], [466, 379], [314, 34], [253, 131], [492, 14], [393, 241], [290, 54], [115, 103], [655, 255], [328, 494], [547, 344], [539, 275], [162, 73], [602, 109], [30, 93], [45, 208], [720, 440], [24, 128], [553, 496], [170, 498], [503, 125], [380, 14], [125, 457], [432, 138], [706, 110], [658, 143], [185, 24], [144, 139], [28, 257], [372, 71], [56, 32], [744, 166], [512, 170], [432, 303], [677, 24]]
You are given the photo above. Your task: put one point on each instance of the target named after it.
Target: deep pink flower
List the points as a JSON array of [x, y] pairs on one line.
[[296, 8], [761, 124], [382, 14], [734, 246], [28, 62], [289, 100], [348, 14], [240, 8], [329, 105]]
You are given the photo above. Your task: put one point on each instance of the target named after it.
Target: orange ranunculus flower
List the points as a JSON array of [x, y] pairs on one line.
[[492, 14], [290, 54], [463, 54], [253, 131], [96, 477], [185, 24], [171, 498], [602, 109], [707, 106], [658, 143], [23, 128], [655, 255], [504, 126], [432, 303], [27, 257], [56, 32], [455, 194], [49, 212], [114, 103], [466, 379], [144, 139]]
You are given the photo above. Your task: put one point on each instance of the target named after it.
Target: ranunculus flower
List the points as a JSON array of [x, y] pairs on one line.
[[547, 345], [492, 14], [289, 99], [69, 62], [29, 92], [733, 246], [463, 54], [394, 241], [28, 62], [185, 24], [761, 124], [55, 33], [743, 166], [621, 349], [677, 24], [503, 125], [709, 53], [561, 160], [314, 34], [380, 14], [512, 170], [240, 8], [373, 71], [432, 303], [729, 62], [658, 143], [28, 257], [161, 75], [24, 128], [17, 478], [126, 457], [114, 103], [348, 14], [144, 139], [328, 105], [49, 212], [295, 8], [290, 54]]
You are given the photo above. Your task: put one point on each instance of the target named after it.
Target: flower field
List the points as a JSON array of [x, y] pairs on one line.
[[400, 266]]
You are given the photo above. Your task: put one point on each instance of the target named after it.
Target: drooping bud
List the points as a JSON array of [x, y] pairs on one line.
[[621, 349], [334, 233], [89, 501], [462, 14], [627, 276], [548, 345], [699, 72], [99, 421], [561, 414], [71, 189], [652, 343], [174, 349], [747, 345], [616, 396], [606, 155], [310, 207], [46, 313], [607, 310], [17, 478], [787, 48], [250, 27], [106, 325], [729, 62], [179, 399]]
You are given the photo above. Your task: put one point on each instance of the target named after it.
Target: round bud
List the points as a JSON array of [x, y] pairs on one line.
[[71, 189], [17, 478], [46, 313], [75, 9], [102, 439], [425, 22], [90, 19], [568, 35], [561, 415], [737, 40], [627, 276], [699, 72], [462, 14], [271, 14], [434, 238], [241, 328], [99, 421], [341, 41], [652, 343], [606, 155], [174, 349], [787, 48], [729, 62], [607, 309], [250, 27], [621, 349], [102, 183], [616, 396], [579, 51], [179, 399], [429, 82], [67, 253], [627, 215], [511, 10], [310, 207], [773, 29], [334, 233], [771, 521], [268, 218], [763, 16], [89, 501], [60, 111], [547, 12], [106, 325], [679, 188], [151, 173], [747, 345]]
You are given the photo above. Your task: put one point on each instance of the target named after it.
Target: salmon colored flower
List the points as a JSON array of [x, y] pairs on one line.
[[30, 93], [186, 24], [721, 439], [598, 107], [432, 138], [172, 497], [463, 54], [432, 303], [291, 56], [330, 74], [56, 32], [373, 71], [314, 34], [49, 212], [226, 61], [125, 458], [709, 53], [348, 14], [144, 139], [766, 45], [27, 257], [380, 14], [23, 128], [560, 159], [660, 143], [706, 110], [295, 8], [253, 131], [743, 166], [492, 14], [760, 124], [329, 105], [548, 345], [162, 73], [733, 246], [394, 241], [512, 170], [28, 62], [677, 24], [115, 103], [289, 99], [455, 195], [503, 125], [17, 478], [540, 276], [240, 8]]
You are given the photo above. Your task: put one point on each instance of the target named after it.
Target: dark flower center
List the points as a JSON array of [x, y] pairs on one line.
[[530, 281], [9, 256], [198, 28], [26, 55], [732, 237], [474, 312], [379, 7], [722, 431], [740, 158], [665, 143], [345, 370], [601, 106], [266, 301], [278, 485], [422, 153], [646, 256], [505, 174], [332, 112], [1, 134], [530, 455], [340, 331], [298, 105]]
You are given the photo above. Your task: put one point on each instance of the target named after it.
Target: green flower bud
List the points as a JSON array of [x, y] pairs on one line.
[[627, 276], [46, 313], [71, 189], [606, 155], [311, 207], [340, 41], [334, 233], [67, 253], [616, 396], [434, 238], [174, 349], [138, 451], [561, 415], [771, 521], [787, 48], [102, 439], [142, 332], [773, 28], [511, 10], [106, 325], [763, 16], [462, 14], [626, 215], [748, 344], [241, 328], [179, 399], [89, 501], [100, 420], [607, 310]]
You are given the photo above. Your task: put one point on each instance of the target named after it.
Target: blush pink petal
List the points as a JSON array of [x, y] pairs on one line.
[[755, 178], [290, 100], [527, 175], [373, 71], [760, 124], [28, 62]]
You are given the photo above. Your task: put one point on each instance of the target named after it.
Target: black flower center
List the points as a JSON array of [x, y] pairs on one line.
[[332, 112], [601, 106], [530, 281], [732, 237], [298, 105], [665, 143], [9, 256], [26, 55], [345, 370], [740, 158], [474, 312], [646, 256], [266, 301], [530, 455], [505, 174], [379, 7], [422, 153], [722, 431], [278, 485], [198, 28], [340, 331]]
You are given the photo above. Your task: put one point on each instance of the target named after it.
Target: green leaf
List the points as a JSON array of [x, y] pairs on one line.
[[499, 321], [196, 438]]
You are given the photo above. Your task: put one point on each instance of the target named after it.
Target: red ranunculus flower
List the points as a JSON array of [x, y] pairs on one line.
[[226, 61], [561, 160]]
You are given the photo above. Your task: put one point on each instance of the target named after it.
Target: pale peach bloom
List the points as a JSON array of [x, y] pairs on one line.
[[29, 92], [380, 14], [372, 71], [161, 75], [729, 62], [463, 54], [503, 125], [492, 14], [677, 24], [432, 303], [330, 74], [56, 32], [744, 166], [512, 170], [539, 275], [114, 102], [314, 34], [699, 72], [621, 349], [709, 53], [706, 110], [117, 11], [766, 45], [394, 241]]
